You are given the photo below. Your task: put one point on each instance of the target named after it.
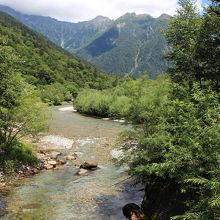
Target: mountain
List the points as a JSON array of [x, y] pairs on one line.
[[130, 45], [42, 62], [68, 35]]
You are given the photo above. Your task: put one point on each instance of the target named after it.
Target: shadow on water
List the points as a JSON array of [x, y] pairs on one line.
[[110, 207], [3, 203]]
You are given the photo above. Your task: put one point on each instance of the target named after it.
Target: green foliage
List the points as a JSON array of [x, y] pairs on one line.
[[24, 153], [93, 102], [207, 52], [182, 34], [8, 167], [55, 94], [19, 154], [21, 111], [178, 147], [129, 99], [42, 63], [175, 152]]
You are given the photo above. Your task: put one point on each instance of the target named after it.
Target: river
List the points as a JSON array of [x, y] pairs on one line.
[[60, 194]]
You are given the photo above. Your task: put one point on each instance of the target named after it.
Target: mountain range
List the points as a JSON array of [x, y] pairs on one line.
[[41, 62], [129, 45]]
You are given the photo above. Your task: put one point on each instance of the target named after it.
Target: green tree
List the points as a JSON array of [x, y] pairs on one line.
[[21, 111], [207, 51], [176, 152], [182, 35]]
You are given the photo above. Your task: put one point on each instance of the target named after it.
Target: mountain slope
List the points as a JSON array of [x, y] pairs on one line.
[[68, 35], [130, 45], [134, 44], [41, 62]]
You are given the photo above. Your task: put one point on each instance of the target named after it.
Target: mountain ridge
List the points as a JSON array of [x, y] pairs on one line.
[[129, 45]]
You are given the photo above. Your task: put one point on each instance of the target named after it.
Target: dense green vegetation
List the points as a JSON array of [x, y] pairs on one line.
[[178, 150], [42, 63], [21, 112], [127, 100], [175, 147]]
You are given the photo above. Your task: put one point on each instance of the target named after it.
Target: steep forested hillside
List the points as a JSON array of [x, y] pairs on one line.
[[42, 62], [68, 35], [131, 45]]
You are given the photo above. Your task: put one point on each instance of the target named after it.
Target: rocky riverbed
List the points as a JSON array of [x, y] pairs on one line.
[[63, 190]]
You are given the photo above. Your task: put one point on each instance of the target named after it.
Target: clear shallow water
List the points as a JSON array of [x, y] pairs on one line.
[[62, 195]]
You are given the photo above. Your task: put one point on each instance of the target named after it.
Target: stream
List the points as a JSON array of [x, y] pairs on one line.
[[60, 194]]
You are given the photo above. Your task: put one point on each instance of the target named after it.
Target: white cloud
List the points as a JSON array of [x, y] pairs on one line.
[[80, 10]]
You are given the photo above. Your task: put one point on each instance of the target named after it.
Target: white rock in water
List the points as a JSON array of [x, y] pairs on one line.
[[57, 142], [119, 120], [68, 109], [82, 172], [86, 141], [117, 154], [106, 119]]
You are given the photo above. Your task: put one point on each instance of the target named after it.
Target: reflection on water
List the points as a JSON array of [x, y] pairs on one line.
[[62, 195]]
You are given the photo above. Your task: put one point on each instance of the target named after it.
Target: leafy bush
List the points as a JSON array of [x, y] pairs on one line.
[[55, 94], [119, 107], [93, 102], [129, 99], [24, 153]]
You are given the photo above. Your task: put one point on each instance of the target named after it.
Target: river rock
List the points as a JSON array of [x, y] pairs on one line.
[[52, 162], [82, 172], [89, 166], [41, 156], [48, 166], [54, 154], [71, 157], [120, 120], [61, 162], [106, 119]]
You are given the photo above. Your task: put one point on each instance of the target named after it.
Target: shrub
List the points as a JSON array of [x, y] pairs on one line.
[[8, 167]]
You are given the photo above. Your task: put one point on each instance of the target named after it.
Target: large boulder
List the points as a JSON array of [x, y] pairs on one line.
[[89, 166], [133, 212]]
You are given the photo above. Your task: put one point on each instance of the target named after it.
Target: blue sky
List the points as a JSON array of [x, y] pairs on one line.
[[81, 10], [206, 2]]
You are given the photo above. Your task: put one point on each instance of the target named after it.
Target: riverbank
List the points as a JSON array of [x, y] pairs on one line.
[[59, 193]]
